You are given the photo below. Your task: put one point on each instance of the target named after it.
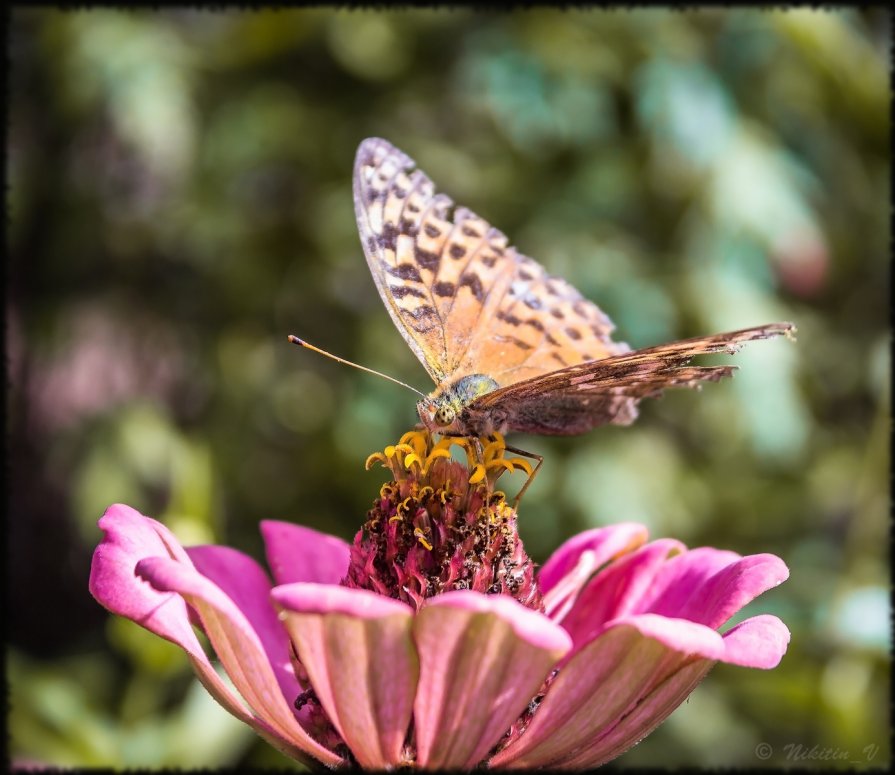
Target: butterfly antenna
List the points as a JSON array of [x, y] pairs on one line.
[[306, 345]]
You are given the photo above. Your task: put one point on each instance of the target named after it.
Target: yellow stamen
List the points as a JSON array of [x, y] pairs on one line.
[[501, 463], [445, 443], [411, 459], [423, 494], [396, 518], [408, 435], [373, 458], [420, 536], [493, 450], [433, 456], [478, 474], [417, 439], [457, 441], [521, 463]]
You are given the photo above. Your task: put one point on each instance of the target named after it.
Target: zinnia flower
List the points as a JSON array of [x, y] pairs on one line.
[[432, 641]]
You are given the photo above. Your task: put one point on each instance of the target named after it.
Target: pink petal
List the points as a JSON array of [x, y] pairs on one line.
[[244, 581], [757, 642], [129, 538], [296, 553], [617, 589], [238, 648], [357, 649], [569, 567], [650, 711], [709, 586], [605, 682], [482, 660]]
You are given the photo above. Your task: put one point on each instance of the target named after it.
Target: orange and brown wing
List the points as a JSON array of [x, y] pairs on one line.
[[575, 399], [465, 301], [537, 324]]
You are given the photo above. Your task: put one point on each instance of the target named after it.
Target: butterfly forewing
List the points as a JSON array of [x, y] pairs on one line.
[[539, 324], [465, 301]]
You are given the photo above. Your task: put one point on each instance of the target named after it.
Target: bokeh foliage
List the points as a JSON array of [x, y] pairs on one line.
[[179, 199]]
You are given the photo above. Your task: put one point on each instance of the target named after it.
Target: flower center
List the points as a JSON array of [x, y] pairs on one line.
[[440, 525]]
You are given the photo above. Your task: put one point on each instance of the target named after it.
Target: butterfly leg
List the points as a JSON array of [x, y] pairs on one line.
[[533, 456]]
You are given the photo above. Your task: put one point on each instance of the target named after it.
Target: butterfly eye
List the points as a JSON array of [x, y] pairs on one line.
[[444, 415]]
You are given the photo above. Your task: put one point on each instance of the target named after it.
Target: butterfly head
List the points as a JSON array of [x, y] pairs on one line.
[[438, 414], [442, 411]]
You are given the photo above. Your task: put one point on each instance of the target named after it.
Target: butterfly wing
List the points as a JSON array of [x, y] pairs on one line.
[[577, 398], [464, 300]]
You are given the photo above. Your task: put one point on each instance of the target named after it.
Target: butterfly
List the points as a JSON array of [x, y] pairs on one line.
[[510, 347]]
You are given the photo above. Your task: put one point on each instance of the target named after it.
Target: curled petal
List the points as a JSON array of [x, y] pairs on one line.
[[296, 553], [571, 566], [757, 642], [709, 586], [607, 681], [357, 649], [482, 660], [617, 590], [238, 648], [129, 539]]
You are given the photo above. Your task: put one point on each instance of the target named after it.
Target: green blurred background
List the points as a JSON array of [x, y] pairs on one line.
[[179, 199]]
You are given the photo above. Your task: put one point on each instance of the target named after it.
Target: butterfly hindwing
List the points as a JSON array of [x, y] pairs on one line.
[[575, 399]]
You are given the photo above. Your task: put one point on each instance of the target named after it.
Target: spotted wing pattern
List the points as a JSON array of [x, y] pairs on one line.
[[465, 300], [575, 399]]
